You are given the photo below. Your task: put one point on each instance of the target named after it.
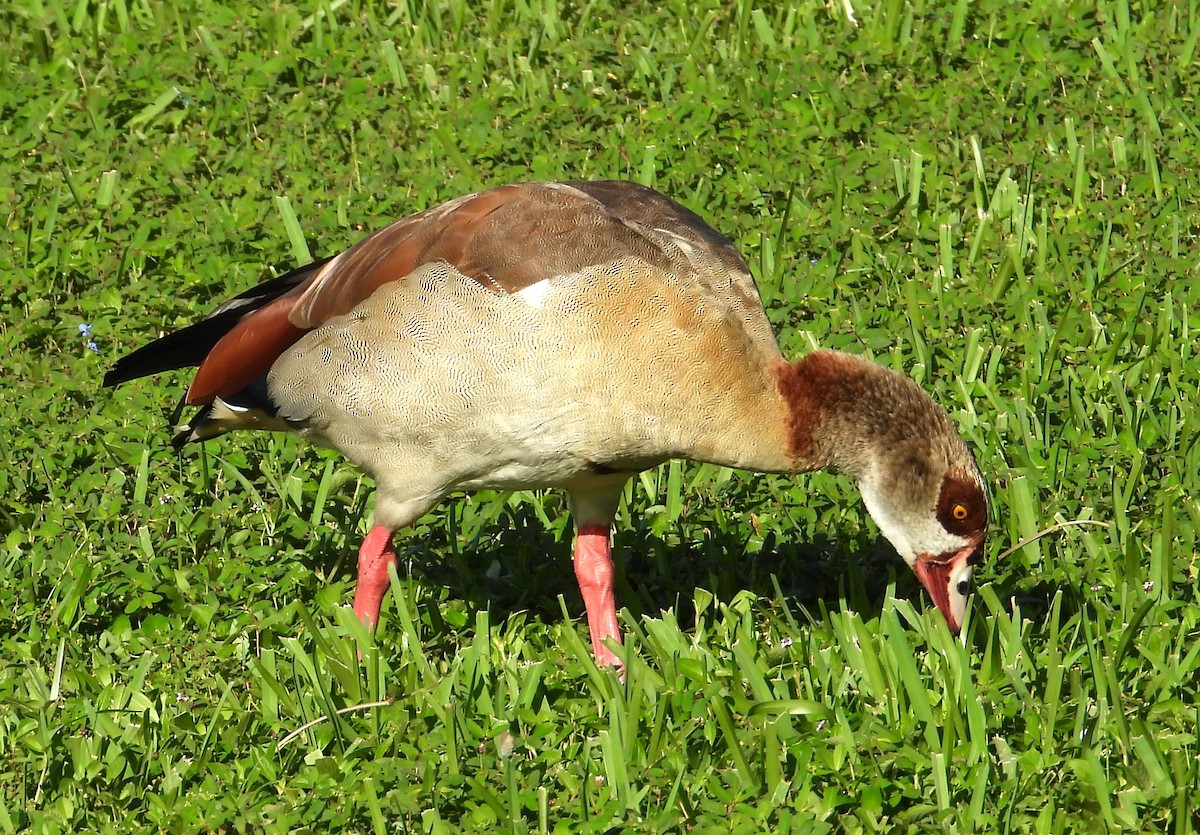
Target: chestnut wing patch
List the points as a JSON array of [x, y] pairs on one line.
[[508, 239]]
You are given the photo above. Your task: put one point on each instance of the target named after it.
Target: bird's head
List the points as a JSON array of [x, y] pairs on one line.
[[918, 479], [929, 502]]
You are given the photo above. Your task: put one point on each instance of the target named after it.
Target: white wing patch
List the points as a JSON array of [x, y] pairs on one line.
[[679, 241], [535, 294]]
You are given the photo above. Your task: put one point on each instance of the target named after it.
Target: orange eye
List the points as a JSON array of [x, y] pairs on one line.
[[959, 511]]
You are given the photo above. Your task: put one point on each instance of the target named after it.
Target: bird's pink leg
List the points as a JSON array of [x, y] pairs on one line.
[[374, 557], [594, 570]]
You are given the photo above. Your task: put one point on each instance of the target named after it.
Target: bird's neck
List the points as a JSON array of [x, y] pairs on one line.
[[827, 409], [843, 411]]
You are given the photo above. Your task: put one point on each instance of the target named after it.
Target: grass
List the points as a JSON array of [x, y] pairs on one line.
[[999, 199]]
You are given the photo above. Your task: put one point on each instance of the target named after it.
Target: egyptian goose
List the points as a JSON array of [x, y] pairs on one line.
[[565, 335]]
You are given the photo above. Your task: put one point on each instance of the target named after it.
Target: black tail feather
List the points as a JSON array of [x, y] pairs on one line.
[[177, 415], [250, 408], [186, 434], [187, 348]]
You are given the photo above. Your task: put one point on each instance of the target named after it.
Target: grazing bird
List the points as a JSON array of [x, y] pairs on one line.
[[565, 335]]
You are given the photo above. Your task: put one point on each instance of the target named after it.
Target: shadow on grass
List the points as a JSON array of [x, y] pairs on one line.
[[517, 565]]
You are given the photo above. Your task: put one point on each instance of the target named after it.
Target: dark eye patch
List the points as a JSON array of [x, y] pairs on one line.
[[962, 507]]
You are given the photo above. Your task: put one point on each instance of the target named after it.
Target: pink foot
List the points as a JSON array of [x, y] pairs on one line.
[[594, 570]]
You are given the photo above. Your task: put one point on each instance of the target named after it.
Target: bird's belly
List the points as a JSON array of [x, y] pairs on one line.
[[509, 450]]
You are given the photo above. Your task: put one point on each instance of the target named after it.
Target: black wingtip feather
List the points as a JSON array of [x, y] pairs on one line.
[[187, 348]]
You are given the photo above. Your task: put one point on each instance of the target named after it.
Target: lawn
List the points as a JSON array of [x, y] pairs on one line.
[[999, 199]]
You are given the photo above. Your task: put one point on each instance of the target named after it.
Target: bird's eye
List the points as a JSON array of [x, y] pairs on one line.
[[964, 586], [961, 507]]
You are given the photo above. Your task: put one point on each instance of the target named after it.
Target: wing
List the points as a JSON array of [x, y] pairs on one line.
[[512, 237], [507, 239]]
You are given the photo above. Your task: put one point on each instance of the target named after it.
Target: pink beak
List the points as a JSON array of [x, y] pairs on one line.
[[937, 574]]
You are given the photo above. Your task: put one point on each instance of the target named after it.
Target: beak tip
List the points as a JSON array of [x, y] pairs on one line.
[[935, 576]]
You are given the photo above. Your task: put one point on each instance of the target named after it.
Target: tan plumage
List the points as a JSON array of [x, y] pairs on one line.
[[565, 335]]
